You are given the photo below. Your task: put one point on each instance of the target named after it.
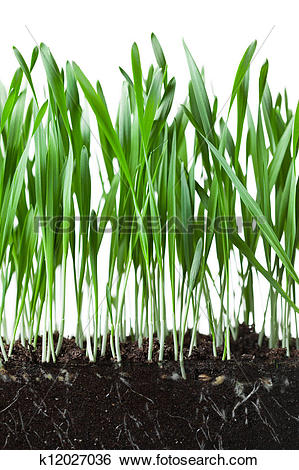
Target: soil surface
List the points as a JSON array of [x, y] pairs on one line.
[[250, 402]]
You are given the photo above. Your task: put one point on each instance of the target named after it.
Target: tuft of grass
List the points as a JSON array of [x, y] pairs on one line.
[[156, 193]]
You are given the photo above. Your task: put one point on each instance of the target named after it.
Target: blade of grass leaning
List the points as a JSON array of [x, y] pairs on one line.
[[256, 212]]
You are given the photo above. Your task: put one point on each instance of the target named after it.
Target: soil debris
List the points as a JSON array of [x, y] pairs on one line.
[[74, 404]]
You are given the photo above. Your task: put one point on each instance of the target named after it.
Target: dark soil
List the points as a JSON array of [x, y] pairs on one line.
[[250, 402]]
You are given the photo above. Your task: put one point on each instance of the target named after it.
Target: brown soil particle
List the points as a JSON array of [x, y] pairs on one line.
[[250, 402]]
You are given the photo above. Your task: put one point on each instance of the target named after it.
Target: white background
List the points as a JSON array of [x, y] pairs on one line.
[[98, 36]]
